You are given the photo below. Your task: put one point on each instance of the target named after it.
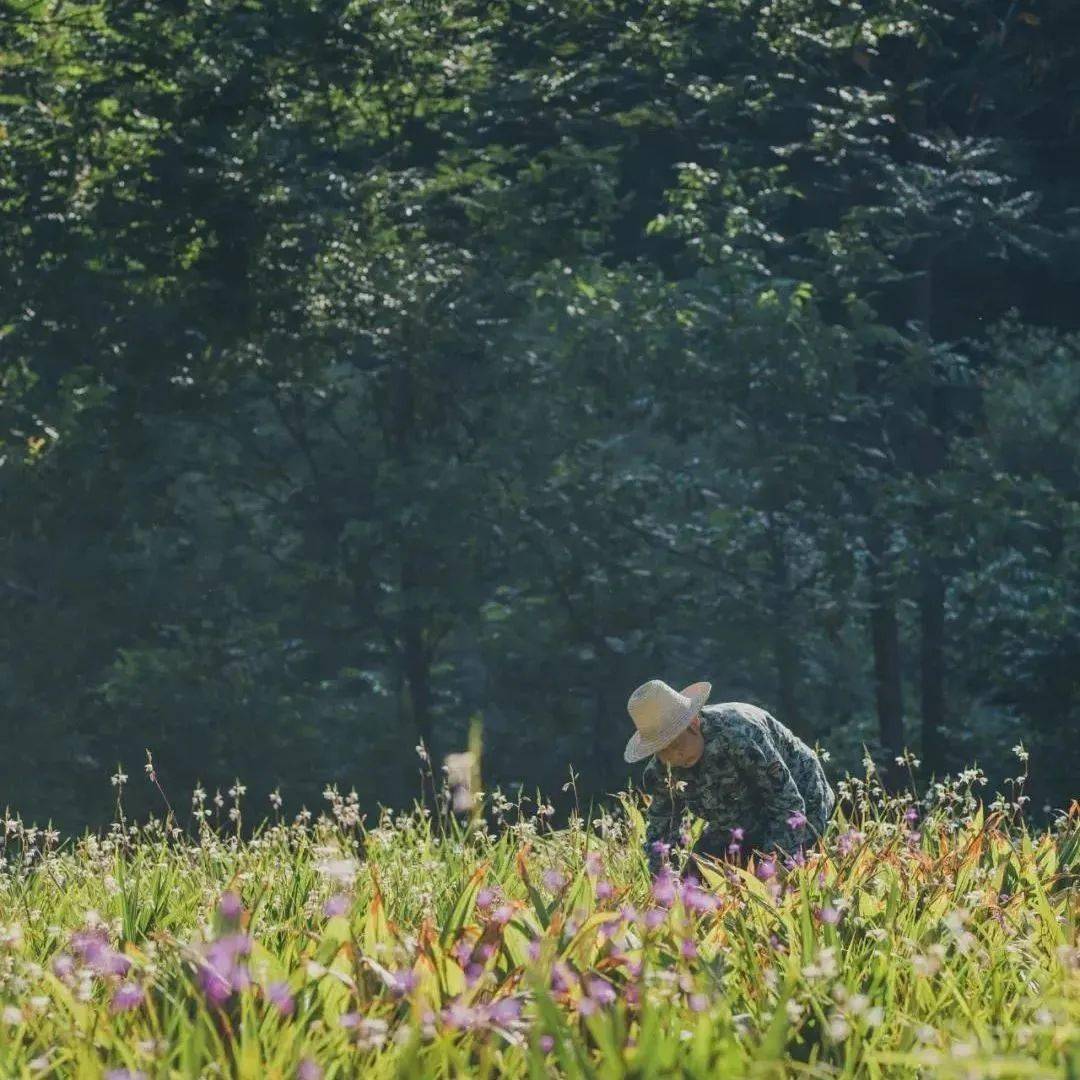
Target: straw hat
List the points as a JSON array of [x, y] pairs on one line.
[[661, 714]]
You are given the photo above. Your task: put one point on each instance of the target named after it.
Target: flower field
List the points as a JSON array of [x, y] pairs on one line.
[[933, 938]]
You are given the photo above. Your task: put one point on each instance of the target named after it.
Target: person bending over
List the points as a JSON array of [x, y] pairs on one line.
[[756, 785]]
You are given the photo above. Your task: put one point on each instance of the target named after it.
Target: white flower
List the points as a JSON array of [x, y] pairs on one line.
[[838, 1028]]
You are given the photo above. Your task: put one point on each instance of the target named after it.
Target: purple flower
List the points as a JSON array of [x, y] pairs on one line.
[[309, 1069], [93, 949], [827, 915], [403, 982], [733, 850], [128, 996], [336, 905], [689, 949], [586, 1006], [797, 820], [277, 993], [229, 907], [846, 841], [738, 835], [125, 1074], [911, 815], [628, 913], [766, 869], [601, 991], [502, 914], [473, 973], [63, 966], [350, 1020], [697, 899], [604, 889], [663, 887], [698, 1003], [561, 977], [485, 898], [111, 962], [462, 952], [533, 949], [594, 865], [89, 945], [505, 1011], [660, 848], [546, 1043], [554, 880], [223, 969], [459, 1017], [655, 917], [216, 988]]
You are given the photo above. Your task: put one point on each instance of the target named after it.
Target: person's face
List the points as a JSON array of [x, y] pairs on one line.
[[686, 748]]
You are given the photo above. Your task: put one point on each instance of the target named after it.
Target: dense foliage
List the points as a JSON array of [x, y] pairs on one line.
[[371, 365], [927, 937]]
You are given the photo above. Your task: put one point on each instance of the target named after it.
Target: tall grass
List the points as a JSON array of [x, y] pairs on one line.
[[930, 938]]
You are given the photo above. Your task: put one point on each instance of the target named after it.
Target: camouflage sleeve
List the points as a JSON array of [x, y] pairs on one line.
[[779, 794], [660, 823]]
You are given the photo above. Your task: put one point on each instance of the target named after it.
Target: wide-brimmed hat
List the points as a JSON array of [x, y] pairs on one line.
[[661, 714]]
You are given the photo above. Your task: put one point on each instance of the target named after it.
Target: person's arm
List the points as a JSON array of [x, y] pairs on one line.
[[661, 826], [779, 795]]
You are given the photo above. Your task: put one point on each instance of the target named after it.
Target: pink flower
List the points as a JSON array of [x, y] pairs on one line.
[[698, 1003]]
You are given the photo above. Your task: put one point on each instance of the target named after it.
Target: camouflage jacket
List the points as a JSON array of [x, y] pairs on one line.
[[754, 775]]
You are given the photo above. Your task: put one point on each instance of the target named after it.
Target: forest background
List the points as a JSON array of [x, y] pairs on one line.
[[368, 366]]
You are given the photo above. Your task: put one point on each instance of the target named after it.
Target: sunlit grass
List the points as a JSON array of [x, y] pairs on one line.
[[929, 939]]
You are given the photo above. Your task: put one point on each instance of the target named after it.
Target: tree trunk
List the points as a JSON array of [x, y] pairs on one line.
[[932, 663], [885, 636], [416, 658], [785, 652]]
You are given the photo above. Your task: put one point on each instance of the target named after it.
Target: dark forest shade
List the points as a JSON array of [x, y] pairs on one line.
[[362, 374]]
